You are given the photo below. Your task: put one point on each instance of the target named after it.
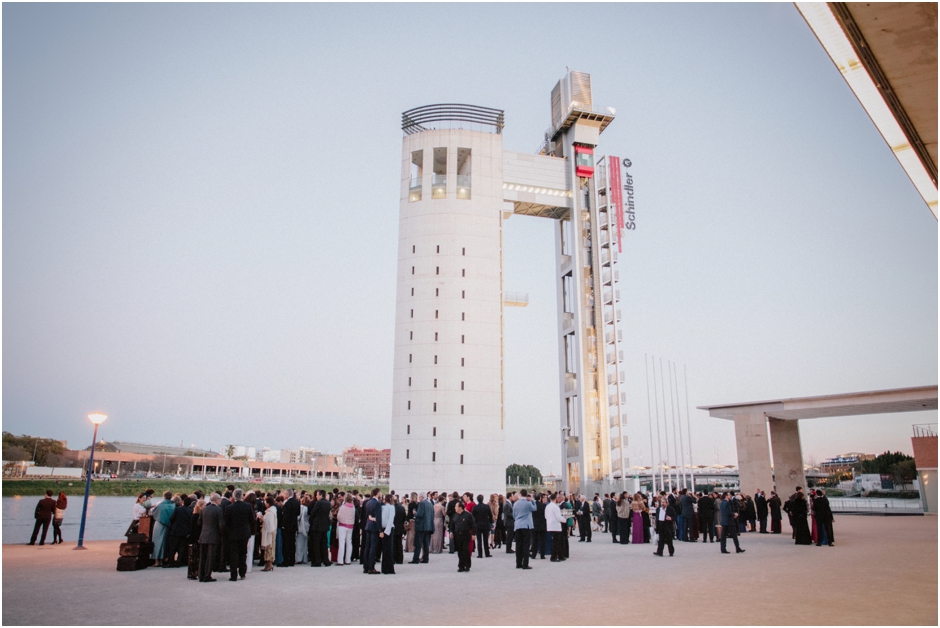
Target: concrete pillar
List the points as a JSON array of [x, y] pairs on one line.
[[750, 434], [788, 456]]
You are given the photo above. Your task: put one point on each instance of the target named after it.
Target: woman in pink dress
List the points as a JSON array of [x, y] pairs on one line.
[[637, 507]]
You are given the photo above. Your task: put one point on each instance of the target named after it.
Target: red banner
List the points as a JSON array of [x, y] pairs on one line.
[[616, 196]]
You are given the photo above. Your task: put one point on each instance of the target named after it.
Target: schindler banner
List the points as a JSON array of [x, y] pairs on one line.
[[628, 192], [616, 197]]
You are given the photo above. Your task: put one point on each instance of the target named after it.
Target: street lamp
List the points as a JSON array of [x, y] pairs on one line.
[[97, 418]]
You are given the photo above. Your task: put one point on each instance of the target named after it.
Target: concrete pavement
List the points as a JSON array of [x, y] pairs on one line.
[[883, 570]]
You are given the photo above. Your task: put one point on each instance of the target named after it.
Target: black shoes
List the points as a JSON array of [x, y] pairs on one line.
[[413, 562], [740, 551], [527, 567], [725, 552]]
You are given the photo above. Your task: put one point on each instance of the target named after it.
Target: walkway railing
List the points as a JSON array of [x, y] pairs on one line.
[[875, 506]]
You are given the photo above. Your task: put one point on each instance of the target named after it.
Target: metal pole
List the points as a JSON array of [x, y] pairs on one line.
[[688, 423], [665, 421], [659, 442], [91, 463], [649, 415], [675, 442], [675, 376]]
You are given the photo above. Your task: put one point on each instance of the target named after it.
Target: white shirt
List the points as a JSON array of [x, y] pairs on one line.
[[553, 518], [662, 514]]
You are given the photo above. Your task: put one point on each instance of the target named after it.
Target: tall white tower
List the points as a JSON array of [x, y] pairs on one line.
[[447, 417], [457, 187]]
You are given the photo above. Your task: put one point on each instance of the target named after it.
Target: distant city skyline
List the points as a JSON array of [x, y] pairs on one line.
[[200, 214]]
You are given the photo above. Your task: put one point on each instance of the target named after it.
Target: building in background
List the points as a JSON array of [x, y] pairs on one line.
[[299, 455], [924, 442], [844, 462], [457, 187], [367, 462]]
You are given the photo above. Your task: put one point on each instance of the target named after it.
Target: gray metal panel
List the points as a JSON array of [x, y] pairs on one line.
[[580, 87], [557, 113]]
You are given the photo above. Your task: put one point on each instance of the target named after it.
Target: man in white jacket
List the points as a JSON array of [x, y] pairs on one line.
[[554, 524]]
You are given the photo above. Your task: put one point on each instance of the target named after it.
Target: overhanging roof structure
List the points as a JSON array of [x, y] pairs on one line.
[[849, 404], [887, 53]]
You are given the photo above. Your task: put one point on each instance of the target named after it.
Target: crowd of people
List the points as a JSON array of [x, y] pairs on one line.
[[232, 531]]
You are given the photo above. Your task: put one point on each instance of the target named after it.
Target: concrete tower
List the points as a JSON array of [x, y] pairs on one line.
[[447, 418], [457, 187]]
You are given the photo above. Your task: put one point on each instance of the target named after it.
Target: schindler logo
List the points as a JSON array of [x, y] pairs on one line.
[[629, 209]]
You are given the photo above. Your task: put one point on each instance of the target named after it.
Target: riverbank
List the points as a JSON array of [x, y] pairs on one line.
[[131, 488]]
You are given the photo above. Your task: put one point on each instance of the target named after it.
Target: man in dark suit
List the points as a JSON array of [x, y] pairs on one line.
[[729, 523], [775, 515], [706, 518], [176, 540], [584, 520], [760, 502], [610, 509], [357, 553], [372, 513], [45, 510], [399, 531], [509, 522], [210, 537], [539, 527], [686, 515], [290, 512], [424, 526], [823, 518], [238, 517], [665, 526], [319, 515], [483, 521], [222, 555]]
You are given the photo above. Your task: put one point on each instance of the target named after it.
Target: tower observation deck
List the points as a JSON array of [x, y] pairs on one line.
[[458, 185]]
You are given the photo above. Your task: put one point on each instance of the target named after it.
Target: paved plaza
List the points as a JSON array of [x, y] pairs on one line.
[[883, 570]]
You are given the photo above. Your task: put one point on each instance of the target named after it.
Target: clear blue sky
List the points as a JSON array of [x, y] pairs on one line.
[[200, 208]]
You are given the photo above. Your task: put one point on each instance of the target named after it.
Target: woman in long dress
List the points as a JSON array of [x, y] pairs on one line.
[[800, 510], [810, 503], [410, 524], [161, 523], [195, 530], [437, 537], [269, 534], [386, 536], [637, 508], [624, 512]]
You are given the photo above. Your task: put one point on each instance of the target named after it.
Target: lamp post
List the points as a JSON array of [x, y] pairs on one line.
[[97, 418]]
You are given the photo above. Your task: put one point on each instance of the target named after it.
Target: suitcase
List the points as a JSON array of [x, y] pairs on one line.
[[132, 563], [135, 549], [145, 526], [135, 537]]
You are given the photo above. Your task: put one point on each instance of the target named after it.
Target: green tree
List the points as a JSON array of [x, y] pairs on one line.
[[42, 448], [230, 451], [12, 453], [523, 473], [882, 464], [903, 472]]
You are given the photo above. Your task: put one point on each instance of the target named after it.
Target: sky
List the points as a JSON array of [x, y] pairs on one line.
[[200, 209]]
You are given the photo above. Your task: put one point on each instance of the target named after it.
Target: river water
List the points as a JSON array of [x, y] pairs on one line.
[[107, 518]]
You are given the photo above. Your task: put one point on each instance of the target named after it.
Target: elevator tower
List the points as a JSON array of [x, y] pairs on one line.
[[458, 185]]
